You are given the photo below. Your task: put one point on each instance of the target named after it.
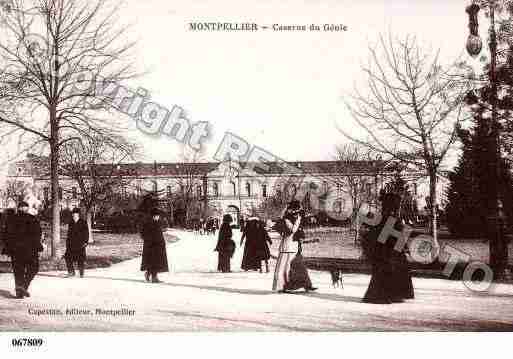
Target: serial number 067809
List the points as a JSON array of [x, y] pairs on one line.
[[27, 342]]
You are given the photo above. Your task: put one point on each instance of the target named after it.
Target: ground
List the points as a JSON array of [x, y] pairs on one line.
[[194, 297]]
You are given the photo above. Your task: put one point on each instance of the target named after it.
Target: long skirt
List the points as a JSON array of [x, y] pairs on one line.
[[250, 260], [291, 273], [282, 270], [154, 258], [390, 282], [298, 275], [223, 264]]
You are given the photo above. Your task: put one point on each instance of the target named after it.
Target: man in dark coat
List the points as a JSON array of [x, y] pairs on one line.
[[76, 243], [154, 257], [23, 235]]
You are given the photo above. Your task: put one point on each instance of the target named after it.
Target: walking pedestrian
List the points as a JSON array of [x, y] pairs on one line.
[[391, 280], [23, 235], [250, 260], [154, 256], [263, 254], [225, 245], [76, 243], [291, 273]]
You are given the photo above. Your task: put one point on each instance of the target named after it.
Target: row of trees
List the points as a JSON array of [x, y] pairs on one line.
[[414, 110]]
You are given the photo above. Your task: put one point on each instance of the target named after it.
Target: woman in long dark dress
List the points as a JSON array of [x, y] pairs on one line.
[[391, 280], [225, 245], [154, 256], [250, 260], [263, 254]]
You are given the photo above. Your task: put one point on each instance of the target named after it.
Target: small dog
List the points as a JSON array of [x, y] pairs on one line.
[[336, 278]]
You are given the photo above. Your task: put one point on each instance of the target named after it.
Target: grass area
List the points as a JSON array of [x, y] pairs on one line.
[[108, 249], [342, 245]]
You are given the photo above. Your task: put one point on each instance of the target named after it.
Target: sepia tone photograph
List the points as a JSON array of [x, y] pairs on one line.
[[255, 166]]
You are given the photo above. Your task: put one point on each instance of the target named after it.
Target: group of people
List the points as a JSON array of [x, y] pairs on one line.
[[256, 249], [21, 239], [391, 281], [21, 236], [206, 227], [290, 273]]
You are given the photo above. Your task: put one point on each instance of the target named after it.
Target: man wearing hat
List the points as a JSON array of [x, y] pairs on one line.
[[23, 234], [76, 243]]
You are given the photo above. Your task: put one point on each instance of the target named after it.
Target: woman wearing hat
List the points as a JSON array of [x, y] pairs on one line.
[[154, 257], [225, 245], [391, 280], [291, 273]]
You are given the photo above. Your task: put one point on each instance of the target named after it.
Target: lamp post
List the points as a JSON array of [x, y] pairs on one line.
[[495, 233], [232, 173]]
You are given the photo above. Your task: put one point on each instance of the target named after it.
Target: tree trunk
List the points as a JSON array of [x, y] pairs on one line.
[[434, 215], [89, 220], [54, 183]]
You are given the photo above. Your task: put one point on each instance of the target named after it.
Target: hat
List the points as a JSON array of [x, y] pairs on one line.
[[227, 218], [155, 212], [294, 206], [23, 204]]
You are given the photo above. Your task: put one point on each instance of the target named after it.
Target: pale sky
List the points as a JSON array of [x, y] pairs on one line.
[[278, 90]]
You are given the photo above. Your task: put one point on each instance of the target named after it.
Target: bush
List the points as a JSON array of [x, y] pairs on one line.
[[118, 222], [126, 222]]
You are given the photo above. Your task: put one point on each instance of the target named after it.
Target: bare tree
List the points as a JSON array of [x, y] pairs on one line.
[[280, 195], [94, 164], [189, 189], [61, 62], [409, 109], [16, 191], [357, 169]]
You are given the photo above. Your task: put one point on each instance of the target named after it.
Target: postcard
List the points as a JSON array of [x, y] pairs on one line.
[[177, 172]]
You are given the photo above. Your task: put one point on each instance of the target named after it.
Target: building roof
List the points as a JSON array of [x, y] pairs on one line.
[[38, 167]]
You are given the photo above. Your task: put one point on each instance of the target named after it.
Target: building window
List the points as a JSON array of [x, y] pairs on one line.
[[216, 189], [199, 191], [292, 190], [74, 192], [60, 193], [325, 187], [264, 190], [139, 188], [234, 189], [415, 189], [248, 189], [168, 190], [46, 194]]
